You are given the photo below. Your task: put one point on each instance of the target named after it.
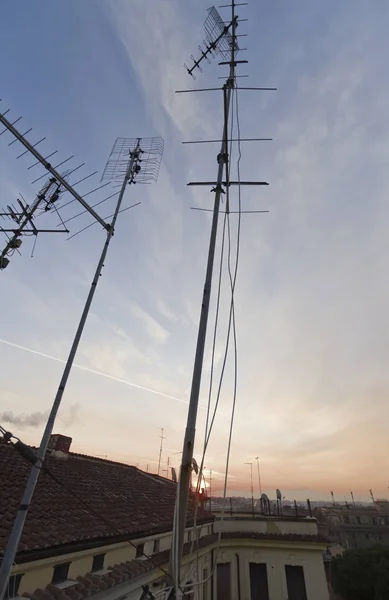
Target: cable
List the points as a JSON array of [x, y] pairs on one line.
[[31, 457]]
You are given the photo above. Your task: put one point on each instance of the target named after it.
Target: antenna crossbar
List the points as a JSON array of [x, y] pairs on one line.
[[218, 89], [230, 212], [231, 140], [224, 183], [233, 62]]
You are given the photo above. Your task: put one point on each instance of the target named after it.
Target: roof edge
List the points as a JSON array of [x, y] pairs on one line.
[[50, 551]]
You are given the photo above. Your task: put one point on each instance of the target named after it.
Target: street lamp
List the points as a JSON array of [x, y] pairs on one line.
[[252, 487]]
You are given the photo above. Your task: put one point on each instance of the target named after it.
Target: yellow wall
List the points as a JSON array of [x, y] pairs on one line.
[[276, 555], [38, 574]]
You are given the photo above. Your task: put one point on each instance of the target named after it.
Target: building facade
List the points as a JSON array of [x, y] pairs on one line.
[[356, 526]]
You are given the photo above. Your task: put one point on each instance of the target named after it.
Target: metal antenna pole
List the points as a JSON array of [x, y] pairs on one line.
[[160, 449], [252, 487], [259, 476], [190, 432], [13, 542]]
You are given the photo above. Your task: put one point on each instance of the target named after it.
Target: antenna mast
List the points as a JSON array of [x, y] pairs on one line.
[[126, 162], [189, 440], [160, 451], [221, 38]]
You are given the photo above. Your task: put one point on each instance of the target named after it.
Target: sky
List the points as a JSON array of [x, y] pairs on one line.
[[312, 291]]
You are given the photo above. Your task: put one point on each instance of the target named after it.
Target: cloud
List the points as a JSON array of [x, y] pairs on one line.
[[155, 331], [34, 419], [94, 371]]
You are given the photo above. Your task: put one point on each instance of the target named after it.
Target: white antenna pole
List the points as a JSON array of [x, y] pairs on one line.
[[14, 539], [190, 432], [160, 450]]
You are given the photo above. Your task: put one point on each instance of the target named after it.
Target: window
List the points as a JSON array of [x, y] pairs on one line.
[[223, 583], [374, 520], [346, 519], [13, 586], [139, 550], [60, 573], [367, 536], [380, 537], [295, 582], [259, 589], [189, 536], [98, 562], [359, 520], [156, 546]]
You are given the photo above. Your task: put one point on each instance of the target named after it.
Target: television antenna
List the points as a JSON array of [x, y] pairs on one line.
[[221, 38], [19, 218], [129, 158]]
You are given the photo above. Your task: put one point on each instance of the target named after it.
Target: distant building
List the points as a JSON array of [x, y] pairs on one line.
[[355, 526], [102, 530]]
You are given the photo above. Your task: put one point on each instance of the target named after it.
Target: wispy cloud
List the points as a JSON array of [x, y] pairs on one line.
[[93, 371], [155, 331]]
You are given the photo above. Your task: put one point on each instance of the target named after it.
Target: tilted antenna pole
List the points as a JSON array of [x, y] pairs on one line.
[[17, 529], [190, 432]]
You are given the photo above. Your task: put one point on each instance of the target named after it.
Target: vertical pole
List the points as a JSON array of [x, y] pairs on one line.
[[160, 450], [210, 491], [352, 498], [259, 476], [260, 486], [251, 484], [17, 529], [182, 497], [252, 489]]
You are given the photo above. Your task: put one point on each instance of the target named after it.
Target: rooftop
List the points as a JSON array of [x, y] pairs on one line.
[[134, 503]]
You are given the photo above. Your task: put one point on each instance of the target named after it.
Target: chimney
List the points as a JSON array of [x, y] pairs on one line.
[[59, 443]]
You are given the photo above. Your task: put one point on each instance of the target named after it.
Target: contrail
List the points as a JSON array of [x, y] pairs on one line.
[[125, 381]]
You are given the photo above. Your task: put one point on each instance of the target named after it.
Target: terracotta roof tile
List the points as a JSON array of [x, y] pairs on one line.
[[133, 501]]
